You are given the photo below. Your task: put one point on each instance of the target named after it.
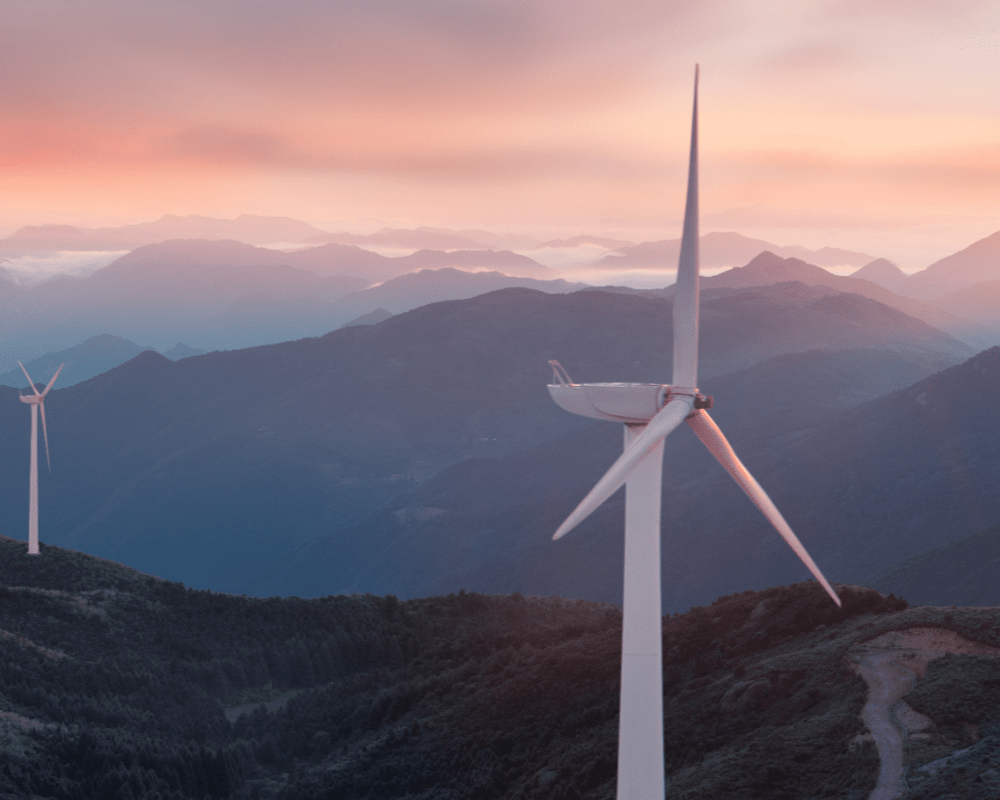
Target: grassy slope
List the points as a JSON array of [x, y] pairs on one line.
[[115, 684]]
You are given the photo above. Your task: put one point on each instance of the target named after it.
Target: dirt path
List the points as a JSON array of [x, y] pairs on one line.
[[887, 683], [891, 664]]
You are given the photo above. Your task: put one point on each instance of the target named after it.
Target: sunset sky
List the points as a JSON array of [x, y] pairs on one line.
[[865, 124]]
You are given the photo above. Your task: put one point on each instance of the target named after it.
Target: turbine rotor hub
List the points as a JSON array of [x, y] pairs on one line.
[[700, 400]]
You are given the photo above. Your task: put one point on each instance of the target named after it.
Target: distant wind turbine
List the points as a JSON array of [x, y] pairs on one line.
[[36, 401], [649, 413]]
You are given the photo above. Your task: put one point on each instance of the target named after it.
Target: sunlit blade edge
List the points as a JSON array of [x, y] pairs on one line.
[[685, 305], [666, 419], [712, 437]]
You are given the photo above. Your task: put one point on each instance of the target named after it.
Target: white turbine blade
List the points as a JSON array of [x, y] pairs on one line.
[[46, 390], [686, 289], [706, 430], [45, 433], [666, 419], [31, 383]]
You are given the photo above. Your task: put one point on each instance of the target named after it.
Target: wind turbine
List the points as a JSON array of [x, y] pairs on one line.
[[649, 413], [36, 401]]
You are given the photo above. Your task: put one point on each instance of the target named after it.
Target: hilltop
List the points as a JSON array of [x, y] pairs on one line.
[[120, 684]]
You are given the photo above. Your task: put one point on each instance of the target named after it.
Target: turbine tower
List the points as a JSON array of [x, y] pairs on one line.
[[649, 413], [36, 401]]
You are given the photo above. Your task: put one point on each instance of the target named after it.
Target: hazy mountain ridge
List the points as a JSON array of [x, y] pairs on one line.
[[976, 263], [371, 318], [963, 572], [768, 268], [883, 272], [403, 239], [510, 506], [248, 228], [980, 261], [272, 445], [586, 239], [225, 294], [979, 302], [90, 358], [895, 476], [724, 250], [415, 289]]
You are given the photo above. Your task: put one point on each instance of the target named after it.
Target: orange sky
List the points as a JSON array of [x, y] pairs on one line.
[[864, 124]]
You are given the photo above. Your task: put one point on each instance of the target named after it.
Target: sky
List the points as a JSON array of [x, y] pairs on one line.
[[869, 125]]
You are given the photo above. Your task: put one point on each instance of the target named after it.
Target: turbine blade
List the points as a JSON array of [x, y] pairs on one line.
[[45, 433], [46, 390], [31, 383], [686, 289], [706, 430], [666, 419]]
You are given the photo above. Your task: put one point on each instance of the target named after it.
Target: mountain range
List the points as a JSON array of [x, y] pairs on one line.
[[273, 452], [724, 250], [90, 358], [768, 268], [978, 262], [964, 572], [863, 487], [248, 228], [226, 294], [427, 238], [884, 273]]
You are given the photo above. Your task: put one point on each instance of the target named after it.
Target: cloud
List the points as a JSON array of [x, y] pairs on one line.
[[750, 217], [222, 147], [801, 59], [907, 10], [228, 54]]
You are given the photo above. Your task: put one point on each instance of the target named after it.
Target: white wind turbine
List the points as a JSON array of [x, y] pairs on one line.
[[36, 401], [649, 413]]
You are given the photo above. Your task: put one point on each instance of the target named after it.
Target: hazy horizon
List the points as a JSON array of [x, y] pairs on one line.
[[863, 125], [568, 263]]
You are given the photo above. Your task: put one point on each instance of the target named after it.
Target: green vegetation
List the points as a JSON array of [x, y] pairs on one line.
[[115, 684], [961, 694]]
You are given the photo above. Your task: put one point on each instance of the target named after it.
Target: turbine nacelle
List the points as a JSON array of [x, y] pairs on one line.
[[33, 399], [629, 403]]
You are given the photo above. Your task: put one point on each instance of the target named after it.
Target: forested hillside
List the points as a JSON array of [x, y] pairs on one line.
[[115, 684]]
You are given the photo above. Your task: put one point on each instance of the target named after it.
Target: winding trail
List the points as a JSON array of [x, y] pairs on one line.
[[887, 683], [878, 662]]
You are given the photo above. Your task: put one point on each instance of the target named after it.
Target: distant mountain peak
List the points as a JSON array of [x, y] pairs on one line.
[[147, 357], [725, 249], [883, 272], [371, 318], [764, 259], [978, 262], [33, 231], [102, 338]]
